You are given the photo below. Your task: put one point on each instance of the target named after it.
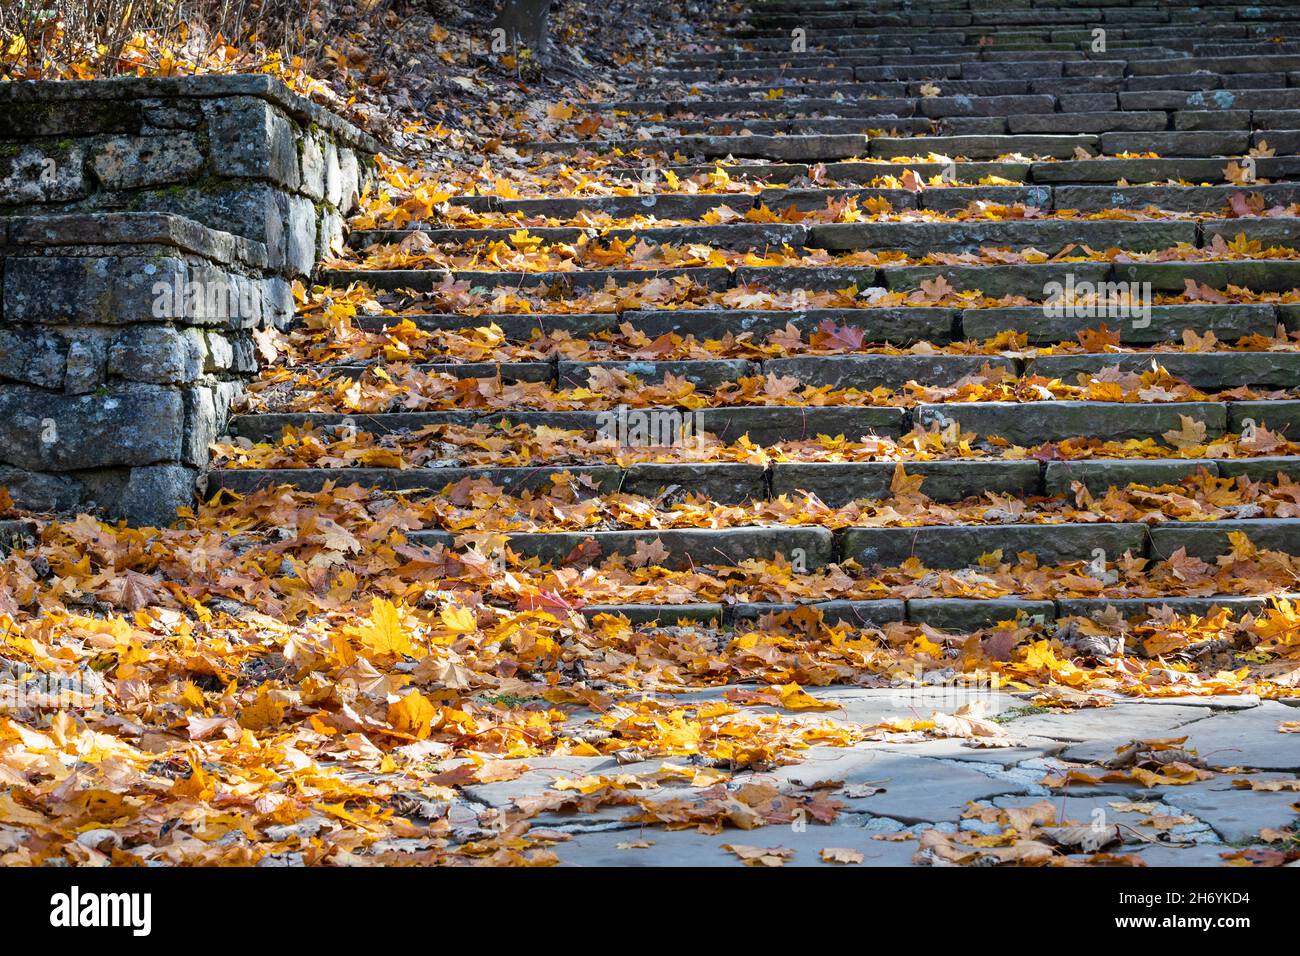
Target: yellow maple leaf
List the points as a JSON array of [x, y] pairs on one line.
[[412, 714], [459, 619], [382, 633]]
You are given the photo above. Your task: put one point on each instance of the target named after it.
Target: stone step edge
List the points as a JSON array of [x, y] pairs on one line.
[[718, 279], [817, 546], [738, 482], [936, 612]]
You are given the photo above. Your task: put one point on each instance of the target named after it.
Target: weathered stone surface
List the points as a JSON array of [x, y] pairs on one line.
[[837, 483], [1146, 607], [706, 375], [39, 491], [1210, 539], [1171, 198], [128, 424], [766, 425], [1264, 468], [955, 546], [1100, 122], [598, 478], [1279, 416], [897, 325], [1243, 738], [26, 120], [914, 789], [691, 848], [132, 162], [1030, 281], [1098, 475], [962, 615], [86, 363], [155, 353], [984, 147], [724, 482], [855, 613], [1048, 236], [16, 534], [940, 106], [256, 140], [1260, 275], [1236, 815], [686, 547], [34, 356], [1119, 723], [154, 493], [1031, 424], [44, 172], [87, 290], [1209, 371], [867, 372], [1166, 323]]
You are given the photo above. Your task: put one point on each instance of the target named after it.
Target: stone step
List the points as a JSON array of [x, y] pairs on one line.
[[957, 546], [1277, 415], [1258, 275], [685, 547], [725, 482], [678, 206], [835, 483], [1034, 423], [960, 615], [1045, 235], [1147, 607], [982, 147], [796, 148], [1208, 540], [506, 371], [703, 374], [855, 613], [1169, 198], [745, 235], [423, 280], [1208, 371], [867, 372], [838, 483], [1028, 280], [901, 325], [1163, 323], [810, 548], [764, 425], [1022, 423], [829, 126]]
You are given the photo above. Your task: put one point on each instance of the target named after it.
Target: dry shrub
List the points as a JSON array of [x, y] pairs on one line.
[[94, 34]]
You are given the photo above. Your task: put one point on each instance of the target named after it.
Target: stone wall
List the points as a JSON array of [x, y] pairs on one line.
[[241, 154], [124, 339], [148, 228]]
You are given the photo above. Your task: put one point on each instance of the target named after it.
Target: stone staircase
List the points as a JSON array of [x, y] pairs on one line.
[[991, 153]]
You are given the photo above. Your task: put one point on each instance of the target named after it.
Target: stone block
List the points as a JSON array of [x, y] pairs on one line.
[[43, 173], [154, 493], [122, 424], [158, 354], [132, 162], [35, 356], [252, 139]]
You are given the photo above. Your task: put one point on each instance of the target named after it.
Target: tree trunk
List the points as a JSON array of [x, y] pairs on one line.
[[526, 23]]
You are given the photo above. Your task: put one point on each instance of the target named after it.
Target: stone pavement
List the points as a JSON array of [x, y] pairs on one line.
[[893, 790]]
